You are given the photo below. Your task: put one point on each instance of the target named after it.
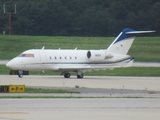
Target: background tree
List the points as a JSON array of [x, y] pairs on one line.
[[80, 17]]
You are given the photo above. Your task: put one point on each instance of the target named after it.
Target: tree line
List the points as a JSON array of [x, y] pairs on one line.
[[79, 17]]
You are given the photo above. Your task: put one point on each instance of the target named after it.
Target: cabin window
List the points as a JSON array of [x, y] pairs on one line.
[[50, 57], [65, 57], [26, 55], [70, 57], [76, 58], [55, 58], [60, 57]]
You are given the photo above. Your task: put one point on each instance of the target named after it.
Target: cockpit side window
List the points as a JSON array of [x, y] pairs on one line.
[[22, 55], [29, 55], [26, 55]]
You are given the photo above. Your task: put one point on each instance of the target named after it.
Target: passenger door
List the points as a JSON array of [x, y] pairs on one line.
[[43, 58]]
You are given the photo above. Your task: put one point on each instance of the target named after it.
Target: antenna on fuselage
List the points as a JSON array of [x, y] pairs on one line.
[[43, 47], [75, 48]]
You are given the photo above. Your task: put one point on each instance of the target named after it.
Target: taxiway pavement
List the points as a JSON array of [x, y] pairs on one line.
[[96, 86], [87, 108], [109, 82], [80, 109]]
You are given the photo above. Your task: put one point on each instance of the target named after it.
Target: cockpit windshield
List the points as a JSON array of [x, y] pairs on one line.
[[26, 55]]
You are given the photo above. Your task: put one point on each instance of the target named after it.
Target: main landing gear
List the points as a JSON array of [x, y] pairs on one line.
[[67, 75], [80, 76]]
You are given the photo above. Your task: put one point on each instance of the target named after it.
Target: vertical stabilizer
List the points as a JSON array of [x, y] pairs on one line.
[[123, 42]]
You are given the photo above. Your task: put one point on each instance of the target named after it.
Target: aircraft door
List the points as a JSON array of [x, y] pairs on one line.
[[43, 58]]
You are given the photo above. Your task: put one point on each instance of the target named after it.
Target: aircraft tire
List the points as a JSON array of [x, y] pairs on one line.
[[67, 75], [80, 76]]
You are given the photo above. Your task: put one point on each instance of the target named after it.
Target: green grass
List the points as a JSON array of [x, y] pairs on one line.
[[130, 71], [11, 46], [4, 70], [146, 49], [40, 90]]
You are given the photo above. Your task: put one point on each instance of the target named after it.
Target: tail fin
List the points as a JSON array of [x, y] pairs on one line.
[[124, 41]]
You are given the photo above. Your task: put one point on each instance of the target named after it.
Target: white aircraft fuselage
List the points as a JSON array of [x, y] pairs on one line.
[[75, 60], [59, 60]]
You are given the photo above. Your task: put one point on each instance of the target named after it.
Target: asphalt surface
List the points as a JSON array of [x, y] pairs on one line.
[[80, 109], [96, 86], [2, 62], [110, 108]]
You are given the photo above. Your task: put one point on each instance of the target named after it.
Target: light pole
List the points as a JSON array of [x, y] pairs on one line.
[[9, 18]]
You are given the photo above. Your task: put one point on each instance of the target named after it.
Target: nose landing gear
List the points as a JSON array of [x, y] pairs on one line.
[[20, 73]]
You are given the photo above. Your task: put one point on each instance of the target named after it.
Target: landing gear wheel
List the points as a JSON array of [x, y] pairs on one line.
[[67, 75], [20, 73], [80, 76]]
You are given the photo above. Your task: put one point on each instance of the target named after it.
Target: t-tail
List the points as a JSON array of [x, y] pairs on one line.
[[124, 40]]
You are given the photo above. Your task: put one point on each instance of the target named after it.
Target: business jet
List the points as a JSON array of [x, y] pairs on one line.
[[79, 61]]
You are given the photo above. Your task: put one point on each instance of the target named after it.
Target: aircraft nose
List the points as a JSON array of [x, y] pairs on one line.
[[12, 64], [9, 64], [15, 64]]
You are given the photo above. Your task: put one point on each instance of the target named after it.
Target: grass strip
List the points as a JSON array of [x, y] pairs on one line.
[[145, 49], [41, 90]]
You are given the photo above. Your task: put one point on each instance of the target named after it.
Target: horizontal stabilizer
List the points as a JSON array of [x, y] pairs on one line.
[[137, 32]]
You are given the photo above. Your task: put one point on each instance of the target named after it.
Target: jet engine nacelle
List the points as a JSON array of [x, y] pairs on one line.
[[98, 55]]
